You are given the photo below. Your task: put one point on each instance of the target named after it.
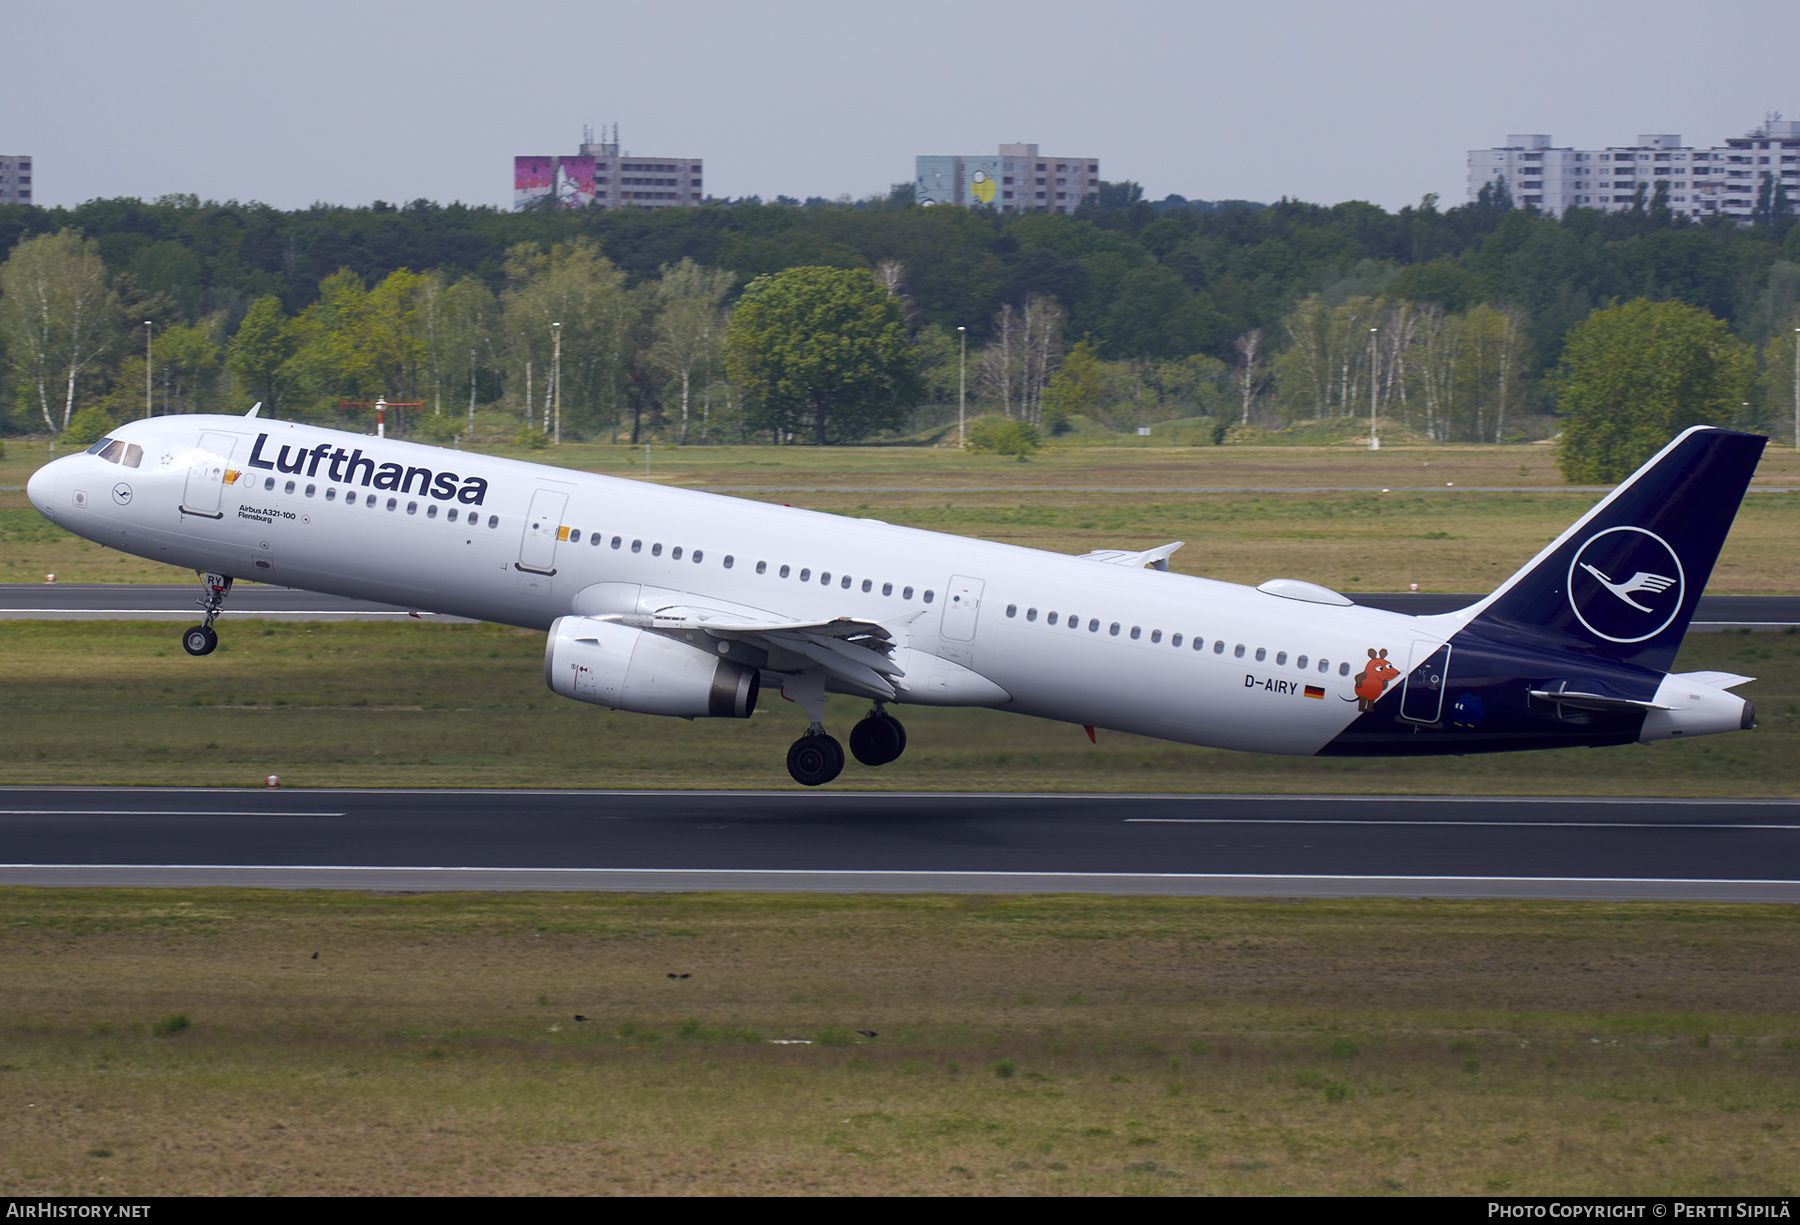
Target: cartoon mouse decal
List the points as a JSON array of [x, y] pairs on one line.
[[1373, 680]]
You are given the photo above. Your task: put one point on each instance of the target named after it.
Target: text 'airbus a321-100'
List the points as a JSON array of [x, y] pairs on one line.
[[672, 602]]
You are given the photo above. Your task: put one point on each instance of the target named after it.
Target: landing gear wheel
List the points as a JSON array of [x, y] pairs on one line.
[[878, 740], [199, 640], [815, 760]]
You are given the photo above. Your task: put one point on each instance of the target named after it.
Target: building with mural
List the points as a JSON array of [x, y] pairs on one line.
[[1017, 179], [599, 176]]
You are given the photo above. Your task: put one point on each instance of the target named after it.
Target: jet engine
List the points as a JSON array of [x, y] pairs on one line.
[[624, 668]]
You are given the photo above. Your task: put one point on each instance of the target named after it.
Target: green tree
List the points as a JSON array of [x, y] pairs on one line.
[[1635, 375], [58, 318], [825, 347], [260, 351], [1077, 389], [689, 328]]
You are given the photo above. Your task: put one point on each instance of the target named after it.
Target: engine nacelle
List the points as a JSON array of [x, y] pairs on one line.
[[632, 669]]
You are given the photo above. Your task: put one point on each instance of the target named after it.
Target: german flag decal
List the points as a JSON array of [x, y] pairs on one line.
[[1315, 691]]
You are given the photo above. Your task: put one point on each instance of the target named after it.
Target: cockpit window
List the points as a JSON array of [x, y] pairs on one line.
[[117, 451]]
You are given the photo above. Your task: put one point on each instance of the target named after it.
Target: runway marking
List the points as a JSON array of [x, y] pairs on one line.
[[154, 812], [1501, 824], [921, 872]]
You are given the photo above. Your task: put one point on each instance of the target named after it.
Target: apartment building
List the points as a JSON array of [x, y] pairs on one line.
[[15, 179], [1017, 179], [601, 176], [1726, 179]]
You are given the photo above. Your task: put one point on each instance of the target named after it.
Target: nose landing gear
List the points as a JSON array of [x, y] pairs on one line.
[[202, 639]]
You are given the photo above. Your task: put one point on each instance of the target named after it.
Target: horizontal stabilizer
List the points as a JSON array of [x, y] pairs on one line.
[[1156, 559]]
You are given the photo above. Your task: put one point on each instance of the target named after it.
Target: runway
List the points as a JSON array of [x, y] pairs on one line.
[[176, 602], [1300, 846]]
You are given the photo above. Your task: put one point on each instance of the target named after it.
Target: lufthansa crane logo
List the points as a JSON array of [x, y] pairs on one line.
[[1625, 584]]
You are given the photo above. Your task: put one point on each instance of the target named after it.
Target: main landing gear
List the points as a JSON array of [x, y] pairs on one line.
[[878, 739], [816, 758], [202, 639]]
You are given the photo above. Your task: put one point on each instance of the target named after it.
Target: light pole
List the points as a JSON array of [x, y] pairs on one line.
[[1374, 442], [1797, 389], [556, 381], [962, 385], [147, 332]]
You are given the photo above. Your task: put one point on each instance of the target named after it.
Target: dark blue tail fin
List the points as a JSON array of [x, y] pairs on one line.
[[1623, 582]]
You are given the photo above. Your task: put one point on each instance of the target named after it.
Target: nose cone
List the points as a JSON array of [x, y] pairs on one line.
[[41, 489]]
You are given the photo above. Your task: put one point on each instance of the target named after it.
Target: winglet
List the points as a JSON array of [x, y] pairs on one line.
[[254, 409]]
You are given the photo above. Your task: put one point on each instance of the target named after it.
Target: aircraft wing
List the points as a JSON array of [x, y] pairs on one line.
[[855, 652]]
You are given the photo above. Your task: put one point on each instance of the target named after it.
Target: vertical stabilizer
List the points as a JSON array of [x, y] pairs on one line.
[[1623, 582]]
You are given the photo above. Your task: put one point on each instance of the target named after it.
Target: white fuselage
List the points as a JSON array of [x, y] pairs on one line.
[[1065, 638]]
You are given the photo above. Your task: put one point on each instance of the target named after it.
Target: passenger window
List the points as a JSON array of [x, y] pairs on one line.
[[1094, 625], [1301, 663], [449, 514], [868, 586], [1218, 647], [824, 578], [1324, 665], [574, 535], [928, 595], [619, 540], [312, 489], [783, 572], [887, 589], [1155, 635], [1239, 652], [806, 575], [493, 522], [762, 567], [412, 508], [331, 496], [637, 546], [1280, 656], [1261, 654], [393, 503], [268, 484], [906, 593], [845, 584], [1114, 631], [674, 553], [594, 538], [288, 488], [431, 511], [656, 549], [698, 557], [1031, 614], [1012, 610], [1050, 620], [1175, 640], [1343, 669]]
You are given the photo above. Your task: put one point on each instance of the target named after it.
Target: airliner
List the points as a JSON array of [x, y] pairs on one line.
[[675, 602]]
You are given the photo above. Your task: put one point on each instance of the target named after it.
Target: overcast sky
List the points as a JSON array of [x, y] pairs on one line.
[[350, 101]]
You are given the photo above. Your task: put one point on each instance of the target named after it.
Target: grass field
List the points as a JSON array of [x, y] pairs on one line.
[[1446, 539], [188, 1042], [410, 704]]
